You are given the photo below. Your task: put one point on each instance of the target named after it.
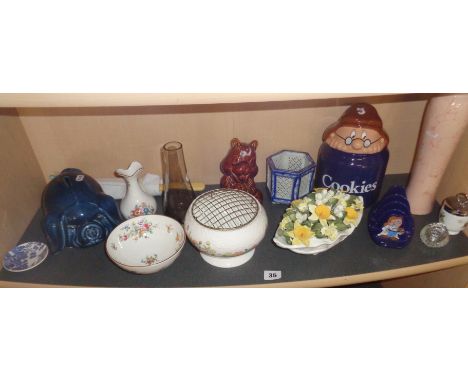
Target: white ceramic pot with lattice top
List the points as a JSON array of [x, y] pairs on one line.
[[226, 226]]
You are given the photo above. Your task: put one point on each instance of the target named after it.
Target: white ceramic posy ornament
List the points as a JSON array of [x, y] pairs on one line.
[[226, 225], [136, 202], [333, 214], [316, 245]]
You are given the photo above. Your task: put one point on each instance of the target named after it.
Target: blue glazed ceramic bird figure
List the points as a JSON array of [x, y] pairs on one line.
[[76, 211]]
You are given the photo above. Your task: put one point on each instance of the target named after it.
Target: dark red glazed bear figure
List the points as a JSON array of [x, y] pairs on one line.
[[240, 167]]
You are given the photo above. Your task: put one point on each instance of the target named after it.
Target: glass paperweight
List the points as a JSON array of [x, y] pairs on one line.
[[435, 235]]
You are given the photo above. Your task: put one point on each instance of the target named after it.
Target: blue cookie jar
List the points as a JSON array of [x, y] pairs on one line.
[[353, 156], [76, 211]]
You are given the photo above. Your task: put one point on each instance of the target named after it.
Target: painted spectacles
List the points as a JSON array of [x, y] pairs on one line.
[[349, 140]]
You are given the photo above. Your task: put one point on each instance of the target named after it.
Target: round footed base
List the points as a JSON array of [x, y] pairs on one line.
[[228, 262]]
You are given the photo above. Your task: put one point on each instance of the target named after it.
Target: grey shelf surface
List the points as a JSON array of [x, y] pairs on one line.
[[356, 255]]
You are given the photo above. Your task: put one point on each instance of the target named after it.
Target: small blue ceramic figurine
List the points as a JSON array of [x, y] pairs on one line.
[[76, 211], [390, 223]]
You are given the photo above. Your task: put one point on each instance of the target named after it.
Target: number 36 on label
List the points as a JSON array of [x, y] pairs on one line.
[[271, 275]]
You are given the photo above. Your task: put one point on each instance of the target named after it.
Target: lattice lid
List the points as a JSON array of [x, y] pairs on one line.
[[224, 209]]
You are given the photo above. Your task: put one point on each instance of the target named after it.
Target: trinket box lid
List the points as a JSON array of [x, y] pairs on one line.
[[457, 205]]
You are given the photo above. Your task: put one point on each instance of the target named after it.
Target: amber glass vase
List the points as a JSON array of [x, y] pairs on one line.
[[178, 192]]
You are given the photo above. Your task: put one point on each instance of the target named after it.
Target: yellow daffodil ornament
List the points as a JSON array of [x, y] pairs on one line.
[[319, 221]]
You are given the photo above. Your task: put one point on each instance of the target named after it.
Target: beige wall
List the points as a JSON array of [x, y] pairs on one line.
[[21, 183], [99, 140]]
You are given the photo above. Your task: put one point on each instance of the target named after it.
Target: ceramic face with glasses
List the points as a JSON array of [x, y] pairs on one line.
[[356, 140]]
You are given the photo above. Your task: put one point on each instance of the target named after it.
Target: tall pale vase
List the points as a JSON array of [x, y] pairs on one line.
[[444, 121]]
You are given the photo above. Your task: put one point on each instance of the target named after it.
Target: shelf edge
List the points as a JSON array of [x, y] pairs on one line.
[[327, 282], [39, 100]]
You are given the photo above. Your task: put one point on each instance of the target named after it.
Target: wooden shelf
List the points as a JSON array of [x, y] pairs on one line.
[[24, 100], [356, 260]]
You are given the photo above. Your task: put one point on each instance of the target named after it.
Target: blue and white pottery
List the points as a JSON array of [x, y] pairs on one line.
[[25, 256], [290, 175], [77, 213], [390, 223]]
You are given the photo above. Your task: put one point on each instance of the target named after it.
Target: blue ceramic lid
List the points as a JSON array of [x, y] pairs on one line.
[[25, 256]]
